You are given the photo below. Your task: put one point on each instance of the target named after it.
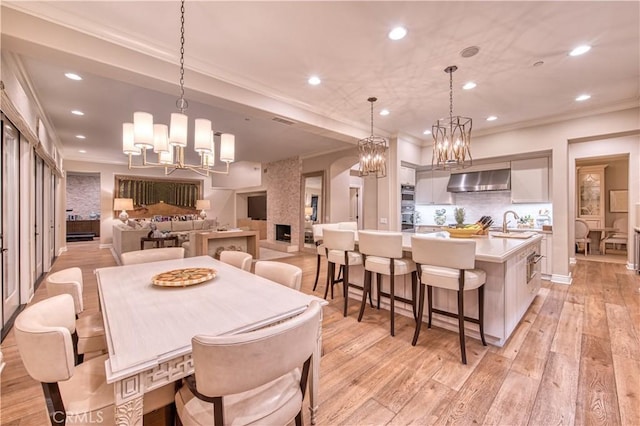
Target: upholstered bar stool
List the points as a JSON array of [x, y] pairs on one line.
[[340, 246], [382, 255], [239, 259], [448, 264], [282, 273], [321, 251], [89, 328]]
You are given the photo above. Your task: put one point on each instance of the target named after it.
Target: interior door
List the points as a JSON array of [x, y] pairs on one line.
[[39, 215], [354, 206], [9, 224]]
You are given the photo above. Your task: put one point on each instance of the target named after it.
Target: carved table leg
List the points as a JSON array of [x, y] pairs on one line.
[[128, 399]]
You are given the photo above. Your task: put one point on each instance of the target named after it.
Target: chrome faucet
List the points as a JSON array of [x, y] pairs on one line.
[[504, 220]]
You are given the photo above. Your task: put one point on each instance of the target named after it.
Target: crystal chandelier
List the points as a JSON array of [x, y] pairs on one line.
[[373, 152], [451, 136], [169, 143]]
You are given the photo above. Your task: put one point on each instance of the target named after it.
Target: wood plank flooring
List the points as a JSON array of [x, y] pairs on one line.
[[573, 359]]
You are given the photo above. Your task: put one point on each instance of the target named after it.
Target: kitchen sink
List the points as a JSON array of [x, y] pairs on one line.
[[519, 235]]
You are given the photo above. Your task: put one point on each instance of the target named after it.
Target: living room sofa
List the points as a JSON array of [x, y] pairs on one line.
[[126, 237]]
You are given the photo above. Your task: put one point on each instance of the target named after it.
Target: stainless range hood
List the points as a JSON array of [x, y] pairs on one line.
[[486, 180]]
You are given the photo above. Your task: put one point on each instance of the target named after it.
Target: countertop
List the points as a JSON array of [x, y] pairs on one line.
[[488, 247], [493, 228]]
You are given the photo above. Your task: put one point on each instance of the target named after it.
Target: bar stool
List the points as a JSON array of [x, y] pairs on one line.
[[382, 254], [448, 264], [321, 251], [340, 246]]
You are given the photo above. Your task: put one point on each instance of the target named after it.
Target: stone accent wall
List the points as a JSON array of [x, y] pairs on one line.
[[83, 195], [283, 196]]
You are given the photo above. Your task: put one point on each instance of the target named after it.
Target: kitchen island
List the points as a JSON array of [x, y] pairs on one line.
[[513, 281]]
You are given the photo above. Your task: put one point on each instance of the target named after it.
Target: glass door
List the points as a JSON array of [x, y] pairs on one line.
[[9, 223], [39, 216]]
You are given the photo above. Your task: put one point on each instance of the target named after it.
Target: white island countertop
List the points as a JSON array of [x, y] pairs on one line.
[[488, 247]]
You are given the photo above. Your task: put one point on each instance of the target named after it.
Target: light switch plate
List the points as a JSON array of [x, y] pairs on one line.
[[383, 220]]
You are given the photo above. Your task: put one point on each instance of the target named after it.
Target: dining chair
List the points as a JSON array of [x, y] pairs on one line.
[[282, 273], [151, 255], [89, 327], [340, 247], [617, 237], [239, 259], [449, 264], [321, 251], [382, 255], [259, 377], [75, 394], [582, 235]]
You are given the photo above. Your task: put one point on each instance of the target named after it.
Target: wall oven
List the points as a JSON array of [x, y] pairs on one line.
[[407, 207]]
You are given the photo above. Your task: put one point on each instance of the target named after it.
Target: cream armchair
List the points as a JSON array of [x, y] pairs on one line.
[[618, 237]]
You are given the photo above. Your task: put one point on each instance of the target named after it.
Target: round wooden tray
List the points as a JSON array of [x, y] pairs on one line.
[[461, 232], [183, 277]]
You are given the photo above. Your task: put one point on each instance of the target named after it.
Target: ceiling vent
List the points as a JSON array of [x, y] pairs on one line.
[[283, 121]]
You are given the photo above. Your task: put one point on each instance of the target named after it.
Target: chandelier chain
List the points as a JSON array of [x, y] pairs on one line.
[[451, 95], [182, 103], [372, 117]]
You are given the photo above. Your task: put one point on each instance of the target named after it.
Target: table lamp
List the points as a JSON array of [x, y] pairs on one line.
[[203, 205], [308, 211], [123, 204]]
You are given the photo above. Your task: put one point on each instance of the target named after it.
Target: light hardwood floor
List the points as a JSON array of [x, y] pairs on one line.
[[574, 359]]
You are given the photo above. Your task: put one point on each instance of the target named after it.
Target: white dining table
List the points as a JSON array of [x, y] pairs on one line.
[[149, 328]]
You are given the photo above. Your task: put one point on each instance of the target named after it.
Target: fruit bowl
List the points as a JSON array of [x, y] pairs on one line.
[[462, 232]]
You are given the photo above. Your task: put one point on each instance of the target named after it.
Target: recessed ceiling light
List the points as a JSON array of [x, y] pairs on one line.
[[314, 80], [426, 132], [384, 112], [469, 85], [72, 76], [583, 97], [81, 137], [397, 33], [580, 50], [82, 151], [492, 118], [77, 112]]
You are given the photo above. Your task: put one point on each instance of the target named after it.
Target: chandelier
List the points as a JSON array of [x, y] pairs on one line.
[[169, 143], [451, 136], [373, 152]]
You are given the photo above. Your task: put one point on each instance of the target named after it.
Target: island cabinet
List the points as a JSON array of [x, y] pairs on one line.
[[431, 188], [513, 281], [530, 180]]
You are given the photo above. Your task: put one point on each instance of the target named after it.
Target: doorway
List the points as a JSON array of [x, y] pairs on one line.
[[312, 205]]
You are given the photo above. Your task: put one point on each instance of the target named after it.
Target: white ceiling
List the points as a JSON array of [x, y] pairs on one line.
[[248, 62]]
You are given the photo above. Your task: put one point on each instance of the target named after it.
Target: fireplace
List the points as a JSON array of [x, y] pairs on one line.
[[283, 233]]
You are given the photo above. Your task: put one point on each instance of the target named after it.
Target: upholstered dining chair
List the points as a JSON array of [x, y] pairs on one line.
[[382, 255], [73, 394], [257, 378], [89, 327], [282, 273], [151, 255], [617, 237], [449, 264], [340, 246], [582, 235], [239, 259]]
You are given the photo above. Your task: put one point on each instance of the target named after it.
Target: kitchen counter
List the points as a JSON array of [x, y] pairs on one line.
[[508, 289]]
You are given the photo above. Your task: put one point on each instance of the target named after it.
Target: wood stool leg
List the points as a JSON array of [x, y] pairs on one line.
[[315, 284], [463, 349], [330, 270], [345, 287], [366, 288], [481, 313], [414, 295], [430, 295], [392, 311], [420, 309], [379, 286]]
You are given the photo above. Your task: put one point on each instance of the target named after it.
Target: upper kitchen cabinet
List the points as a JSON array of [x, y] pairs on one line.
[[530, 180], [431, 188], [407, 176]]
